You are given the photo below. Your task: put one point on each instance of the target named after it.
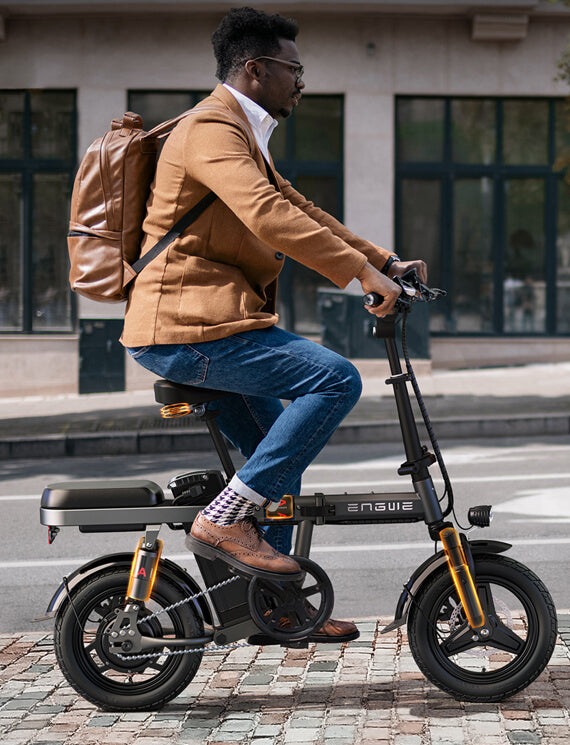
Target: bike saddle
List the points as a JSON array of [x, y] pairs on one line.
[[167, 392]]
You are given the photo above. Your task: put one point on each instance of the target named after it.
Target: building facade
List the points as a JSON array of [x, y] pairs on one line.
[[435, 129]]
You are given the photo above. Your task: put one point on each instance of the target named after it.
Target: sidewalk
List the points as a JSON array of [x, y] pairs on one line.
[[368, 692], [529, 400]]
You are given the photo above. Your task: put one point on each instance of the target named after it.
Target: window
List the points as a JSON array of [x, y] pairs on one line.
[[158, 106], [481, 195], [308, 151], [37, 159]]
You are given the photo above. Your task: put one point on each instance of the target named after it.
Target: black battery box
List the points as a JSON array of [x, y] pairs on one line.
[[196, 487]]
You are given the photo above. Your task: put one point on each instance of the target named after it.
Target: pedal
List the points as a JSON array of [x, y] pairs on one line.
[[264, 640], [282, 611]]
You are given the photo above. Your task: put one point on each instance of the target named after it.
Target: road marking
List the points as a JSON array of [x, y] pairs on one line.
[[542, 503], [546, 541], [342, 484], [374, 484], [417, 546], [474, 456], [20, 497]]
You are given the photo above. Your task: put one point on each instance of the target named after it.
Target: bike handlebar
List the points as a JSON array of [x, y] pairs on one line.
[[412, 290]]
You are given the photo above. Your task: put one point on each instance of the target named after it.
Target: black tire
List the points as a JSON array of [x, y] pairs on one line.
[[519, 647], [101, 677]]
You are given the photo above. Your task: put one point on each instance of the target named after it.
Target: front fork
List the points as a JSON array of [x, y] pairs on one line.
[[458, 555], [459, 568], [418, 461]]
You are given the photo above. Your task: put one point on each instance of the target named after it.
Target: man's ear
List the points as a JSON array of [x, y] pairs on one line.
[[253, 70]]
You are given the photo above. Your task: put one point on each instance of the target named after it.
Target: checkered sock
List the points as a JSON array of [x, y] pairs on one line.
[[228, 508]]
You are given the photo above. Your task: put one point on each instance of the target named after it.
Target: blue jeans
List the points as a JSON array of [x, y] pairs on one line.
[[264, 367]]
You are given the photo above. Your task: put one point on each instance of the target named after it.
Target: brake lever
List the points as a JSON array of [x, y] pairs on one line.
[[412, 289], [426, 293]]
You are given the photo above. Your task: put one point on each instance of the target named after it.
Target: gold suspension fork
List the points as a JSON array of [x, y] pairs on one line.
[[461, 575], [145, 565]]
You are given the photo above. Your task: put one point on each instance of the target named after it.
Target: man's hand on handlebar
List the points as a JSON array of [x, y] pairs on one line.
[[399, 268], [374, 281]]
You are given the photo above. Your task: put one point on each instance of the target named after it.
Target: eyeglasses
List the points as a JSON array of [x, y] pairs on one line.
[[298, 70]]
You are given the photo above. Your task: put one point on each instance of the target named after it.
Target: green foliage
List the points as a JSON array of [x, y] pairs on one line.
[[563, 64]]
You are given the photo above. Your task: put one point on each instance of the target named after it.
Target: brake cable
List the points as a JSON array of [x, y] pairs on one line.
[[448, 492]]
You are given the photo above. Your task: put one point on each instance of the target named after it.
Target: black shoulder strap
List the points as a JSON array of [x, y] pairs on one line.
[[184, 222]]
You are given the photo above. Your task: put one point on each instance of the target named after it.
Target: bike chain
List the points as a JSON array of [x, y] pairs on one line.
[[209, 648], [188, 600]]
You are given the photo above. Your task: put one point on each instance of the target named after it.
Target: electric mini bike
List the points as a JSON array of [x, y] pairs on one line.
[[131, 629]]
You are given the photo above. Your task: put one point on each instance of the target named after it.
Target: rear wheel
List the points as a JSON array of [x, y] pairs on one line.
[[470, 667], [99, 675]]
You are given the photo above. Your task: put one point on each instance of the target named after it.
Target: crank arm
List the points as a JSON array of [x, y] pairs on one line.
[[151, 642], [137, 643]]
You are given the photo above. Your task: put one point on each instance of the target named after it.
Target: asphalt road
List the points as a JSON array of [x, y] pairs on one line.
[[527, 481]]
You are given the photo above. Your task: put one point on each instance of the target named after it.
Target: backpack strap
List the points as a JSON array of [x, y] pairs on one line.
[[178, 228], [162, 130]]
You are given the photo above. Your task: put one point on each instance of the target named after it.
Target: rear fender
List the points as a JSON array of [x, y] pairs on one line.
[[167, 568], [427, 569]]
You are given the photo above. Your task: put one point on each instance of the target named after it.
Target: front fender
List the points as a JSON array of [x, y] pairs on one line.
[[427, 569], [167, 568]]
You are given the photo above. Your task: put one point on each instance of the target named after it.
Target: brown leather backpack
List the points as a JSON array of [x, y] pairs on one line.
[[108, 206]]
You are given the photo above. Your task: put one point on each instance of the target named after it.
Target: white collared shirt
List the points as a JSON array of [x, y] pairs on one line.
[[260, 121]]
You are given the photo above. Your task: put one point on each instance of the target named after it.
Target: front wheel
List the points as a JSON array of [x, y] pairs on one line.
[[522, 623], [84, 655]]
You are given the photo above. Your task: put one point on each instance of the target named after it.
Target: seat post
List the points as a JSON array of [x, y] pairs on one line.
[[220, 445], [180, 399]]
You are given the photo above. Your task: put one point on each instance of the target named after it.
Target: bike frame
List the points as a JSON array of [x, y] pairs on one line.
[[83, 504]]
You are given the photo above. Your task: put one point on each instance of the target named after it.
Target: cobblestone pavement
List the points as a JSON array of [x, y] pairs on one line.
[[368, 692]]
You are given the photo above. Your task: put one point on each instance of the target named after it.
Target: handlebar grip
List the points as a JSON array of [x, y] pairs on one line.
[[373, 299]]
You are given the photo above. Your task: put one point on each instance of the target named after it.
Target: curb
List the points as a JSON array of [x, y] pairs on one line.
[[149, 441]]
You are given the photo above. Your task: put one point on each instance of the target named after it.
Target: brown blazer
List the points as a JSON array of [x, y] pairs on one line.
[[219, 277]]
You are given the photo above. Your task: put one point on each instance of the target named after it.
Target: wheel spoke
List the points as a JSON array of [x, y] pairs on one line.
[[300, 609], [486, 599], [273, 590], [458, 641], [91, 647], [274, 617], [505, 639], [311, 590]]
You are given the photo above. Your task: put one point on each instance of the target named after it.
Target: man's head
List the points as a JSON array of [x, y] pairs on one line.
[[256, 53]]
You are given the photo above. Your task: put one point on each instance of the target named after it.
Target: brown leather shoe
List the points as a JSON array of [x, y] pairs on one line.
[[335, 631], [242, 546]]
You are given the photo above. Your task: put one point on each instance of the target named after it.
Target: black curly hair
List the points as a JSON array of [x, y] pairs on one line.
[[245, 33]]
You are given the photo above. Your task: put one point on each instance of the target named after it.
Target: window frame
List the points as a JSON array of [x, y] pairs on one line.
[[195, 94], [447, 171], [27, 166]]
